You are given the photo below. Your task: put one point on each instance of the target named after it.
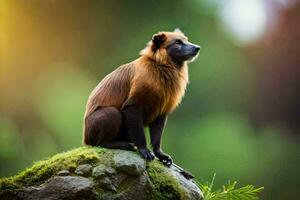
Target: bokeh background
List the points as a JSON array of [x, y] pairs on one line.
[[240, 117]]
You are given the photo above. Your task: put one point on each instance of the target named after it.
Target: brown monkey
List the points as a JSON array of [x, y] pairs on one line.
[[140, 93]]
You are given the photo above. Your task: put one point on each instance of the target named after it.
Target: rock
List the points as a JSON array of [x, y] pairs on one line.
[[60, 187], [190, 186], [98, 174], [129, 163], [102, 170], [63, 173], [106, 183], [84, 170]]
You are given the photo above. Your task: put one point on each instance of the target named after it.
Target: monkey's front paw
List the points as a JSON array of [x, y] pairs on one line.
[[147, 154], [164, 158]]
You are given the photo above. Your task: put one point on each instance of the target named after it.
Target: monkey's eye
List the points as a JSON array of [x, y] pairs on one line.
[[178, 42]]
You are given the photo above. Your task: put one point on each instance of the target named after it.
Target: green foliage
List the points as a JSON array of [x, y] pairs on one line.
[[230, 192]]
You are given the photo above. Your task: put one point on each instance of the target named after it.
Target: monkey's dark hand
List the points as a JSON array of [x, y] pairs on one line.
[[164, 158], [146, 153]]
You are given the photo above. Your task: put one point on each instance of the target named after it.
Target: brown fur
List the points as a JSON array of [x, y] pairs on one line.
[[158, 86], [153, 80], [151, 73]]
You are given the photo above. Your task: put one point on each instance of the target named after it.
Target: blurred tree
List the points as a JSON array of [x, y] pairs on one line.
[[277, 58]]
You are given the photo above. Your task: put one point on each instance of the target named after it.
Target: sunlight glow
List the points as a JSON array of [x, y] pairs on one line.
[[245, 19]]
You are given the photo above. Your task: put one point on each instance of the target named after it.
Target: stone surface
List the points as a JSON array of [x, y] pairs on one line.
[[106, 183], [60, 187], [189, 186], [84, 170], [129, 162], [102, 170], [99, 174]]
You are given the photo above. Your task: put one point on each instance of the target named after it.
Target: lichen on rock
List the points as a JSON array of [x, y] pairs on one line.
[[98, 173]]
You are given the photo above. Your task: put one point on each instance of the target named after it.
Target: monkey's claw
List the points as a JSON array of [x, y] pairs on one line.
[[147, 154], [164, 158]]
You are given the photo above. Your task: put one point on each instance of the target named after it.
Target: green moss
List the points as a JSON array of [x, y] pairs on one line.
[[164, 185], [46, 168]]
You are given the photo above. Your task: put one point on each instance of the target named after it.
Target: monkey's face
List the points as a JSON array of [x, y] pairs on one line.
[[181, 50], [176, 46]]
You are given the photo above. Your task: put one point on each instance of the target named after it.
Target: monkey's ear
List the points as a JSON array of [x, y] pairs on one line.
[[177, 30], [158, 40]]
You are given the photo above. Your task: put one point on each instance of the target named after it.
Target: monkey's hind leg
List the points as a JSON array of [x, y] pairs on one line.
[[102, 129]]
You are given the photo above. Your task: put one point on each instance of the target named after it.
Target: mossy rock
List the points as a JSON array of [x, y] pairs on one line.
[[97, 173]]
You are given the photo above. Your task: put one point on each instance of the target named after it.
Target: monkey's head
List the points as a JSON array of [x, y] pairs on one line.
[[171, 48]]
